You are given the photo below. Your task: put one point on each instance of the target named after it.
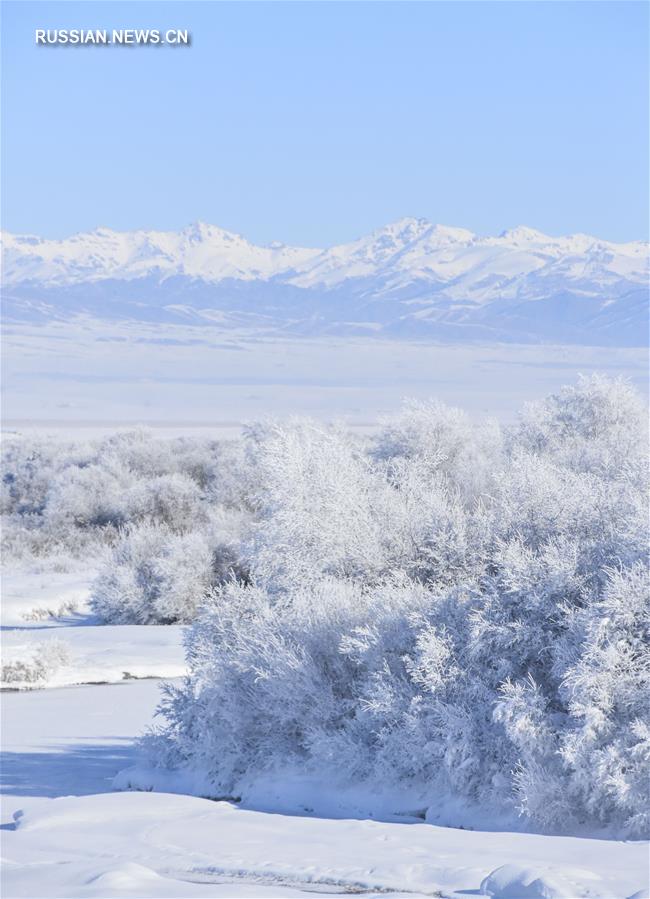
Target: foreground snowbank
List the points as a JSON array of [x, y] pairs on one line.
[[155, 844], [72, 741]]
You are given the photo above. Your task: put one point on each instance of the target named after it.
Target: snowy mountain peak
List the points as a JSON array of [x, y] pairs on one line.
[[409, 230], [408, 247], [523, 234], [200, 232], [445, 232]]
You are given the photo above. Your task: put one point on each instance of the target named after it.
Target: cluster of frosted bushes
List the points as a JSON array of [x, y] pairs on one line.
[[157, 576], [161, 517], [446, 609]]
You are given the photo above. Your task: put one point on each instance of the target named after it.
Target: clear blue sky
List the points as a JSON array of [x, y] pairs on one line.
[[313, 123]]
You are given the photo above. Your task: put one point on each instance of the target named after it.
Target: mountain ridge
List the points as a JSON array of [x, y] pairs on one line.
[[411, 277]]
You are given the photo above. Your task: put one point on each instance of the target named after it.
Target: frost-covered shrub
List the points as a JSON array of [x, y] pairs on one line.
[[86, 497], [599, 426], [440, 610], [325, 506], [374, 681], [583, 747], [441, 439], [432, 531], [113, 490], [40, 662], [27, 539], [29, 465], [318, 507], [157, 576], [398, 686], [607, 691], [172, 500], [269, 681], [138, 452]]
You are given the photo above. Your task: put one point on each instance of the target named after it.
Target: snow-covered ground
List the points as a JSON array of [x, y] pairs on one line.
[[70, 741], [89, 371], [87, 655], [65, 834], [50, 639], [33, 593]]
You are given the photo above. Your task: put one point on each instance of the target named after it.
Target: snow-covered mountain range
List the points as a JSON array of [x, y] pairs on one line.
[[410, 278]]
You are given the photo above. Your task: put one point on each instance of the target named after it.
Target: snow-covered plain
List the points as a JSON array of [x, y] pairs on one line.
[[89, 372]]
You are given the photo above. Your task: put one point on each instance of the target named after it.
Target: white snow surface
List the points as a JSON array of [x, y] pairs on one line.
[[91, 654], [153, 844], [113, 373], [50, 639]]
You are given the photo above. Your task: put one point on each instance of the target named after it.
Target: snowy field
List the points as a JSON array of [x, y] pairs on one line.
[[86, 371], [50, 637], [85, 811]]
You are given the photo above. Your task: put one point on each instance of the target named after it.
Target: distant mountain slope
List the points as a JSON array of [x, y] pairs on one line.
[[410, 278]]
